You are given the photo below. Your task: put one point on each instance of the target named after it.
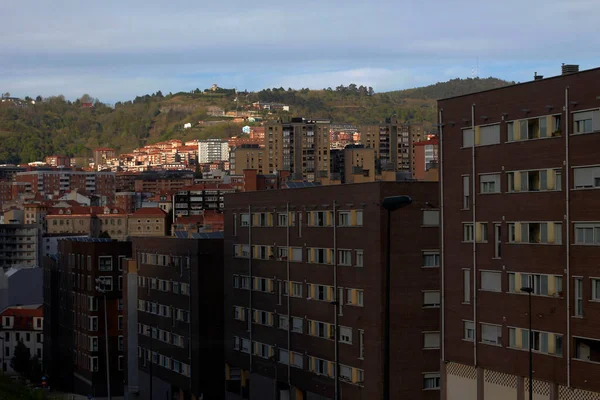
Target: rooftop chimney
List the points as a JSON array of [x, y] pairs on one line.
[[537, 77], [569, 68]]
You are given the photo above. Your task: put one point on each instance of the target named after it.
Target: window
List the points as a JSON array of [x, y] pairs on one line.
[[92, 303], [491, 281], [344, 218], [297, 325], [93, 324], [431, 298], [431, 218], [431, 381], [245, 219], [491, 334], [534, 181], [361, 344], [535, 232], [355, 297], [586, 177], [489, 183], [105, 263], [431, 340], [345, 373], [466, 286], [93, 364], [120, 322], [283, 322], [469, 331], [282, 253], [93, 343], [262, 285], [297, 360], [467, 138], [586, 122], [578, 297], [359, 258], [120, 343], [296, 289], [345, 335], [587, 234], [489, 134], [320, 256], [282, 219], [541, 342], [543, 285], [244, 282], [431, 259], [239, 313], [106, 283], [359, 218], [284, 357], [296, 254], [466, 192], [345, 257], [497, 241], [320, 218], [467, 232], [596, 289]]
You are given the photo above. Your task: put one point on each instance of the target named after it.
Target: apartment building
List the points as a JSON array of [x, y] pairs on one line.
[[306, 266], [147, 221], [425, 160], [192, 200], [58, 161], [173, 298], [299, 146], [59, 182], [246, 157], [75, 352], [392, 143], [19, 245], [520, 209], [21, 324], [210, 150]]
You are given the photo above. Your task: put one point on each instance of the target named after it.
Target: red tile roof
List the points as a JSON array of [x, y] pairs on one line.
[[154, 211], [23, 316]]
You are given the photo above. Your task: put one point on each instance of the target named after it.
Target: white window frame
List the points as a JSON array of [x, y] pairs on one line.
[[468, 331], [431, 340], [497, 341]]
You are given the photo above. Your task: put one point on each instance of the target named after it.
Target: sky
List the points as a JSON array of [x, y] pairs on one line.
[[118, 49]]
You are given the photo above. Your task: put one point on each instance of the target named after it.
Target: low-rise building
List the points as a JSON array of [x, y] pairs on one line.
[[22, 324], [149, 221]]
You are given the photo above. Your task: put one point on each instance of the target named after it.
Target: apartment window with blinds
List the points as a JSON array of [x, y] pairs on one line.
[[431, 299], [359, 258], [543, 285], [431, 259], [489, 183], [586, 177], [489, 134], [431, 340], [345, 257], [534, 181], [245, 219], [467, 138], [296, 254], [586, 121], [431, 218], [578, 296], [535, 232], [284, 357], [595, 289], [468, 232], [491, 281], [541, 342], [587, 234], [491, 334], [431, 381], [466, 192], [297, 325]]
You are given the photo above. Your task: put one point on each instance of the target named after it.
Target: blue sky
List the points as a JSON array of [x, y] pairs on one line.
[[115, 50]]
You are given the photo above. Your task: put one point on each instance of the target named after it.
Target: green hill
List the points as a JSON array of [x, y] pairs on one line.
[[56, 126]]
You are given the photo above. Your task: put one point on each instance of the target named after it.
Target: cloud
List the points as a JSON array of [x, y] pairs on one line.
[[116, 50]]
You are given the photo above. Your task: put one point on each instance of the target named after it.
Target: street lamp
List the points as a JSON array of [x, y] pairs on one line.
[[529, 290], [101, 287], [391, 203]]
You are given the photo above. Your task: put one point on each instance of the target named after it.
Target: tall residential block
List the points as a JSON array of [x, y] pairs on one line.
[[76, 336], [210, 150], [304, 292], [299, 146], [521, 209], [246, 156], [173, 304], [391, 143]]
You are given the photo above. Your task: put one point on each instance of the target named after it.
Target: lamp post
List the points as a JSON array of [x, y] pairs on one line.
[[391, 203], [529, 290], [101, 287]]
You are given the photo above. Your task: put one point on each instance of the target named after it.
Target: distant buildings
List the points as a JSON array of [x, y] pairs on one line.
[[299, 146], [425, 160], [246, 157], [392, 144], [101, 155], [19, 245], [194, 199]]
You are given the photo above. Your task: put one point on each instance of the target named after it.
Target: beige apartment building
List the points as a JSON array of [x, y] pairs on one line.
[[246, 156], [149, 221], [300, 146]]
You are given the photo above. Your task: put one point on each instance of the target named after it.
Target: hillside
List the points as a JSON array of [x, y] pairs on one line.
[[56, 126]]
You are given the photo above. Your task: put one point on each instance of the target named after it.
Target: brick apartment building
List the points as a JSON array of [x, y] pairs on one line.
[[21, 324], [173, 296], [425, 160], [291, 254], [59, 182], [521, 209], [299, 146], [75, 344]]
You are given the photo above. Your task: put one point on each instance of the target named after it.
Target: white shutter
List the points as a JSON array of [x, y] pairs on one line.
[[431, 217], [466, 187], [580, 116], [468, 138], [491, 333], [490, 134], [584, 177], [431, 340], [431, 298]]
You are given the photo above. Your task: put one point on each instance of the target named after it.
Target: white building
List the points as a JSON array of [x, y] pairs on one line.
[[210, 150], [21, 324]]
